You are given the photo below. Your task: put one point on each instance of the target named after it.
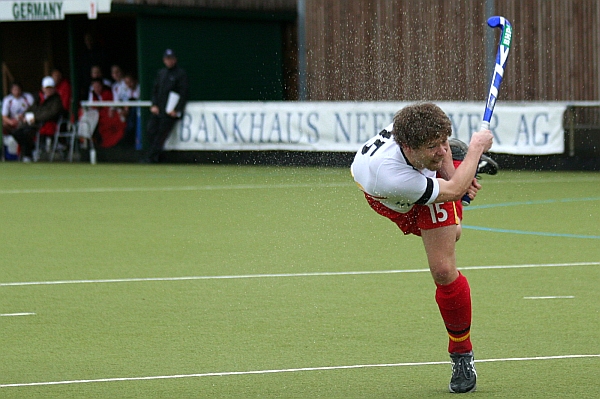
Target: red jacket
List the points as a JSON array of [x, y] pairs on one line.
[[64, 91], [110, 127]]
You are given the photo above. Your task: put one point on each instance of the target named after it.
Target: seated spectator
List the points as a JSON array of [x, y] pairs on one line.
[[14, 106], [133, 88], [130, 114], [96, 73], [45, 112], [111, 127], [100, 91], [118, 87], [63, 88]]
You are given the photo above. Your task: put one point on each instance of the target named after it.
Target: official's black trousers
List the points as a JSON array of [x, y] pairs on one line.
[[158, 130]]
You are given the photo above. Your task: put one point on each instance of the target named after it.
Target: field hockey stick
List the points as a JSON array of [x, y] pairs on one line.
[[501, 57]]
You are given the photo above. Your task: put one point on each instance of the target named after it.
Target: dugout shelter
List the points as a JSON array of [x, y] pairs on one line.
[[231, 50]]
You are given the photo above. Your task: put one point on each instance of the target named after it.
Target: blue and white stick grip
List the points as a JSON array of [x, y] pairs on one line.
[[466, 200]]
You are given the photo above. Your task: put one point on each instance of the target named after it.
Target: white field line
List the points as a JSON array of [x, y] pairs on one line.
[[556, 179], [349, 183], [549, 297], [293, 370], [16, 314], [173, 188], [282, 275]]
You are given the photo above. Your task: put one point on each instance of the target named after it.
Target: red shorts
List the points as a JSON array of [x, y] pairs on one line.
[[420, 217]]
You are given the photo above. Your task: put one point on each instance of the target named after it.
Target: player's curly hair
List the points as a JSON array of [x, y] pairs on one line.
[[419, 124]]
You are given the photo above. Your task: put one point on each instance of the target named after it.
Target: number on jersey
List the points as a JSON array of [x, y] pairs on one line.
[[384, 134]]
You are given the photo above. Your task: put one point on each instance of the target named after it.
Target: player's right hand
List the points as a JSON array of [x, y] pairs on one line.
[[483, 139]]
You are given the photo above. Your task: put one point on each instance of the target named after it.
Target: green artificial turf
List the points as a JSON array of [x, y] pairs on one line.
[[165, 281]]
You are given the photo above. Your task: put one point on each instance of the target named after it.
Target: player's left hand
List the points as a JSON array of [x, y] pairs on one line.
[[473, 189]]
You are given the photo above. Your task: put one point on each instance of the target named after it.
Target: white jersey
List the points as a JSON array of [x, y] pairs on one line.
[[132, 94], [119, 90], [12, 106], [381, 170]]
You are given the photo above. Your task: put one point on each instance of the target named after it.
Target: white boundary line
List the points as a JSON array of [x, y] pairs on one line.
[[294, 370], [349, 184], [315, 274], [173, 188], [550, 297], [16, 314]]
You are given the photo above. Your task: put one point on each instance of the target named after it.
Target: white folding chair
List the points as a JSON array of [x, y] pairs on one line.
[[85, 129], [43, 142], [64, 129]]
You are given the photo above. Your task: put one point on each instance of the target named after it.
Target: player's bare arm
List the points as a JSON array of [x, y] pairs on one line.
[[462, 180], [447, 170]]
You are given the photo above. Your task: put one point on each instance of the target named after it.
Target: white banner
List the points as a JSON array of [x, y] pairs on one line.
[[518, 128], [50, 10]]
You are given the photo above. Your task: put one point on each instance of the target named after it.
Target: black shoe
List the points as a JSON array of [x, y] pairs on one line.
[[459, 151], [487, 165], [464, 376]]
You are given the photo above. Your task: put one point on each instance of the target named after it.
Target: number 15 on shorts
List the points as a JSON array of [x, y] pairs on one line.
[[438, 214]]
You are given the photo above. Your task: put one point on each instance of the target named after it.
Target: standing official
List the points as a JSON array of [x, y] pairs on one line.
[[170, 89]]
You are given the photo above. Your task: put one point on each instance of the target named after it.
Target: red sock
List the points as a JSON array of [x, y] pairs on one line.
[[454, 301]]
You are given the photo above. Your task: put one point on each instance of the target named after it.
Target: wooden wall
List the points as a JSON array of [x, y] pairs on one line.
[[407, 50], [410, 50], [557, 53]]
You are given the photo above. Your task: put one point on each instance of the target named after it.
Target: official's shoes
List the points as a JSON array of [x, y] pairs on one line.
[[464, 376], [459, 151]]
